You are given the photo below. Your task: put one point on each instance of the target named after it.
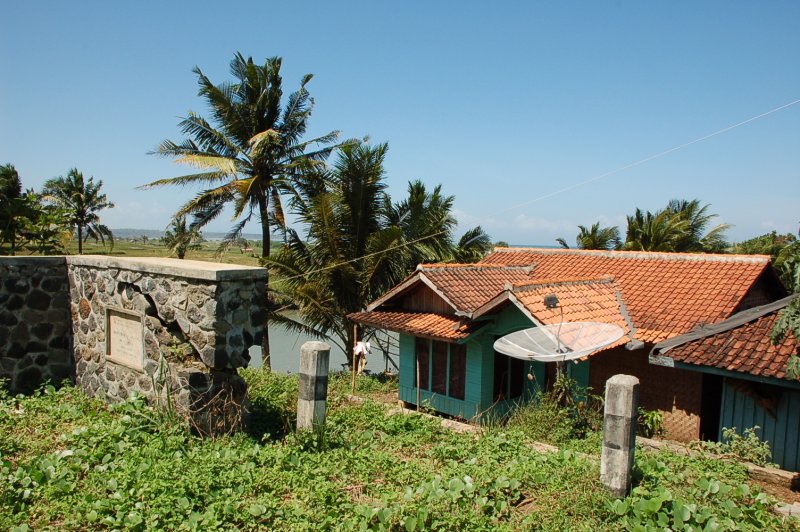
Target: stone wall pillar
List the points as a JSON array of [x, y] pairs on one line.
[[619, 433], [313, 392]]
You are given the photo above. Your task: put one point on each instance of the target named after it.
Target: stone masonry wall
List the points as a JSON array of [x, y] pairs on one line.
[[200, 319], [34, 322]]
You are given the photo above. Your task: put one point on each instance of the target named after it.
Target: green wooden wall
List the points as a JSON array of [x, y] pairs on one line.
[[479, 384], [742, 412]]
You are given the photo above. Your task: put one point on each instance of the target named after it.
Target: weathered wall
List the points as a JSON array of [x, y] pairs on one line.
[[181, 329], [199, 321], [676, 392], [34, 321]]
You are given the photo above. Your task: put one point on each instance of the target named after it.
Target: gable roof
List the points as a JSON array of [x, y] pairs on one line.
[[666, 294], [464, 287], [596, 300], [740, 343]]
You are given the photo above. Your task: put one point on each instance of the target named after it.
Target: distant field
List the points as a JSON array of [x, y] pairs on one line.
[[153, 248]]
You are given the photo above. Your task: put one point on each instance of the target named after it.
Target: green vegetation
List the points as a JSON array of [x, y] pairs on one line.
[[682, 226], [27, 223], [747, 446], [82, 201], [71, 462], [250, 153], [181, 238], [357, 243]]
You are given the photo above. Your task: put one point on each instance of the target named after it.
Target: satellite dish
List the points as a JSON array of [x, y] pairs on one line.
[[559, 342]]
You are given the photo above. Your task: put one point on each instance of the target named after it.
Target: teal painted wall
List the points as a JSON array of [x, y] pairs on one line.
[[742, 412], [479, 384]]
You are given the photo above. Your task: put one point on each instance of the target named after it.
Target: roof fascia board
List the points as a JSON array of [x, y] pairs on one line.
[[785, 383], [737, 320]]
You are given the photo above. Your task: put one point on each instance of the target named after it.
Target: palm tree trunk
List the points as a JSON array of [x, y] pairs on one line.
[[80, 240], [263, 205]]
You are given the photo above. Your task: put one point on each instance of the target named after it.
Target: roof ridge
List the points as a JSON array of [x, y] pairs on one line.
[[663, 255], [605, 279], [472, 266]]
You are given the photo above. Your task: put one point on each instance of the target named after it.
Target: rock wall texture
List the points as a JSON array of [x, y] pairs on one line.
[[190, 327], [34, 322], [200, 320]]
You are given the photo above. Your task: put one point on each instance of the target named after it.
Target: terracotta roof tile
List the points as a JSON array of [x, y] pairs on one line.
[[416, 323], [581, 300], [666, 294], [469, 286], [745, 348]]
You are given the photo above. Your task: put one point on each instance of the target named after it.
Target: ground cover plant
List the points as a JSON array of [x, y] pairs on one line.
[[71, 462]]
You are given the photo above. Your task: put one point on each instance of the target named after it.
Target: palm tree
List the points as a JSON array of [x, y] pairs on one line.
[[473, 246], [12, 206], [249, 153], [654, 232], [426, 222], [180, 237], [595, 238], [82, 199], [343, 212], [357, 243], [699, 236]]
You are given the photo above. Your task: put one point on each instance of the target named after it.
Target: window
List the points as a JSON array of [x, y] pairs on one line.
[[439, 365], [442, 367], [458, 370]]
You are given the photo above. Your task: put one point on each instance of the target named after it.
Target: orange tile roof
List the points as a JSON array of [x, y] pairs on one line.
[[417, 323], [740, 344], [580, 300], [666, 294], [469, 286]]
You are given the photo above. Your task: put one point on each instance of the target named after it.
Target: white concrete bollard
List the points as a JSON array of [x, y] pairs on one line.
[[619, 433], [313, 391]]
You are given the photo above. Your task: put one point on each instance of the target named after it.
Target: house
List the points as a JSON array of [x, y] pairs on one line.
[[448, 317], [736, 358]]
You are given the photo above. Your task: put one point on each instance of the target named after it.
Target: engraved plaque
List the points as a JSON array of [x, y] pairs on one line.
[[125, 338]]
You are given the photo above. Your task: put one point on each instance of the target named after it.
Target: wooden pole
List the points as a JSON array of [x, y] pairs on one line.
[[354, 358]]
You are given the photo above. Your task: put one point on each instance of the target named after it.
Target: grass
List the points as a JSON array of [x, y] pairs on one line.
[[153, 248], [71, 462]]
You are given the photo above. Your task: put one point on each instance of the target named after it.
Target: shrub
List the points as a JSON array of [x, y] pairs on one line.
[[650, 423], [747, 446]]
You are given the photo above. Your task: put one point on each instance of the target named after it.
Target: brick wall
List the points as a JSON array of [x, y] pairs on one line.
[[677, 393]]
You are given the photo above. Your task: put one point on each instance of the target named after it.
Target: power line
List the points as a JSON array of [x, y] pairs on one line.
[[640, 162]]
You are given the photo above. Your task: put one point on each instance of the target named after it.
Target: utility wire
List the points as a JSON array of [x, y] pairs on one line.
[[570, 187]]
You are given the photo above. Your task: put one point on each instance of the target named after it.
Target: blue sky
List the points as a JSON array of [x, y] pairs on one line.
[[501, 102]]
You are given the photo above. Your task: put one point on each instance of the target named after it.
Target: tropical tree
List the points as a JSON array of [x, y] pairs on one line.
[[595, 237], [13, 208], [683, 226], [249, 153], [473, 246], [82, 199], [659, 231], [698, 234], [426, 222], [357, 243], [180, 237]]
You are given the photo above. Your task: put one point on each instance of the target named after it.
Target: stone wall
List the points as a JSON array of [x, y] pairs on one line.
[[34, 322], [199, 321], [171, 330]]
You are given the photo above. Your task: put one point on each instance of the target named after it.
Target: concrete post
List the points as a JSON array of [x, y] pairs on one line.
[[619, 433], [313, 392]]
